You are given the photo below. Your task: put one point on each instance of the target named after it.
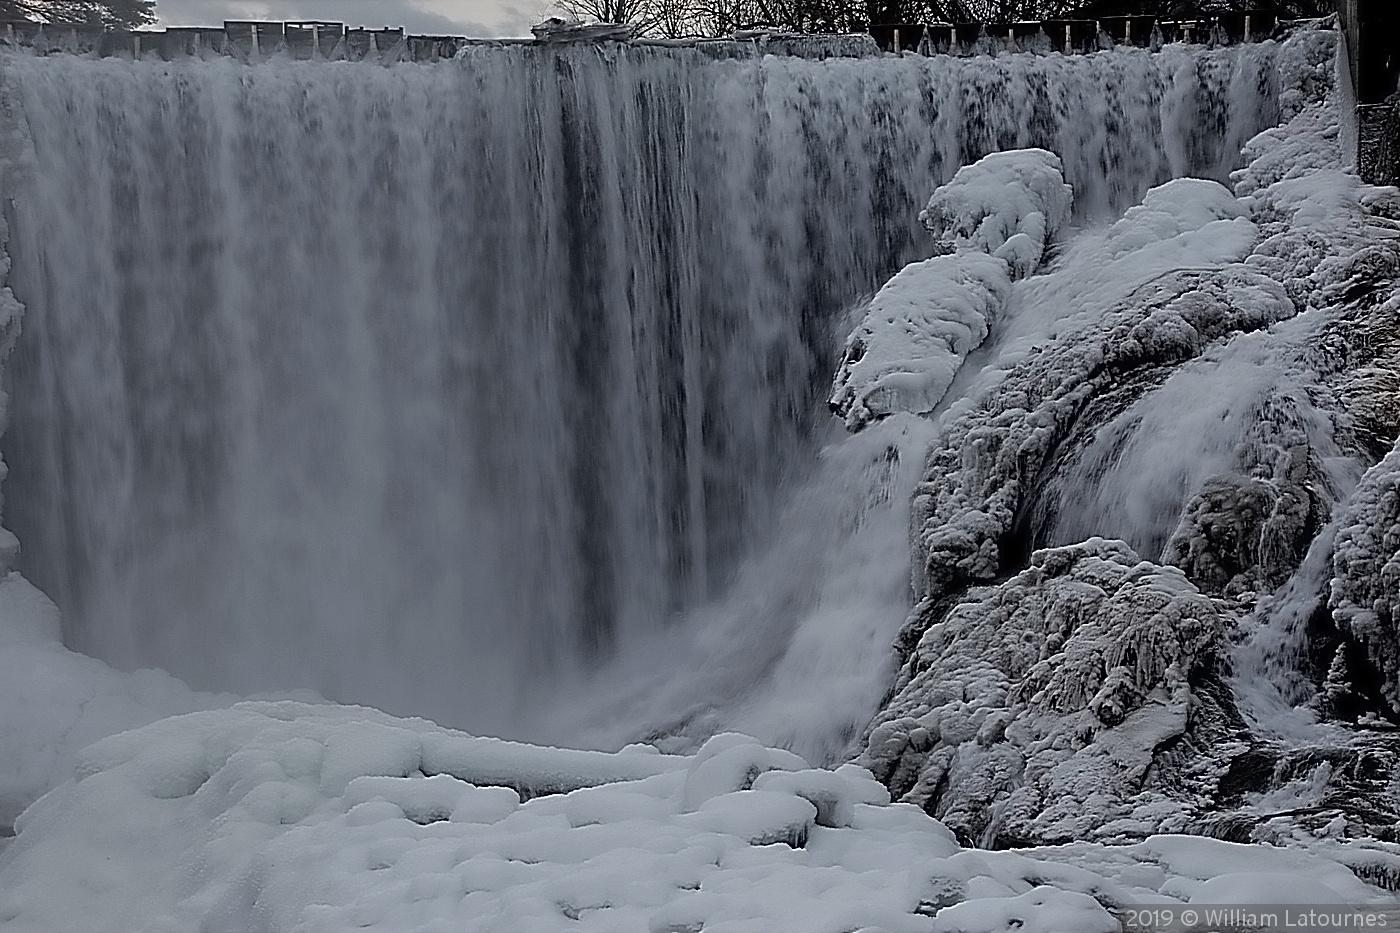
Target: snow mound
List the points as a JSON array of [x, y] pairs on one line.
[[55, 701], [287, 817], [730, 762], [1007, 204], [918, 330], [1040, 910], [1033, 709]]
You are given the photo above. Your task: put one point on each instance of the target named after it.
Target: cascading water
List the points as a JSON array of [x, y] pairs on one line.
[[423, 385]]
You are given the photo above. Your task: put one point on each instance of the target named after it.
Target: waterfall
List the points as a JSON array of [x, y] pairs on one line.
[[427, 385]]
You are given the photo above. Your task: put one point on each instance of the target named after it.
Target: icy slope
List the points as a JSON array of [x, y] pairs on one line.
[[1204, 384]]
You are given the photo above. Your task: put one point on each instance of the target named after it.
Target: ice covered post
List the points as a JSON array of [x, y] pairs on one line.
[[1371, 30]]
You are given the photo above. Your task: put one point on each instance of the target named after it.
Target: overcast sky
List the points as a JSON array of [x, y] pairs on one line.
[[449, 17]]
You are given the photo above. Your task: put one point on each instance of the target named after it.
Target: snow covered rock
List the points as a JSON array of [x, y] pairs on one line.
[[1206, 379], [762, 817], [991, 223], [1034, 709], [1365, 591], [829, 792], [731, 762], [1040, 910], [918, 330], [1007, 204], [982, 471]]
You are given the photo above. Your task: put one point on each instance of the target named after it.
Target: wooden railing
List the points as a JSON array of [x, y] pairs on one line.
[[1072, 36]]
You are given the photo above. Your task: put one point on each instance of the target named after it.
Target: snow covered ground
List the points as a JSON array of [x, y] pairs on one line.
[[56, 701], [293, 817]]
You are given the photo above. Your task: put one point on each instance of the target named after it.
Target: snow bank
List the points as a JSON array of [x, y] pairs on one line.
[[288, 817], [55, 702]]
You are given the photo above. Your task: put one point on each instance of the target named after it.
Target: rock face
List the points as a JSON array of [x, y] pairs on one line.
[[1033, 709], [1153, 546], [1365, 592]]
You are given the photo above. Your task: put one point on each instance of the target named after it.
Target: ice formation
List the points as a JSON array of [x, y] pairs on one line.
[[916, 334], [990, 223], [1365, 592], [1007, 204], [1032, 710]]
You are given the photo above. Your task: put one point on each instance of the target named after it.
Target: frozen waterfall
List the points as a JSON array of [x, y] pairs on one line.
[[428, 386]]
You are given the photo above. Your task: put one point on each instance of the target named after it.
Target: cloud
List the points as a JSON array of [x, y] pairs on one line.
[[429, 17]]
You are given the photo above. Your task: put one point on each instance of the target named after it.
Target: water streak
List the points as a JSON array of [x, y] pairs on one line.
[[423, 384]]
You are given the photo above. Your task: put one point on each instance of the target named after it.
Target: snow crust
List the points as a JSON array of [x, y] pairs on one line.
[[282, 816]]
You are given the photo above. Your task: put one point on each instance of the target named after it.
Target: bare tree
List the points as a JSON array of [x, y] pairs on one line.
[[674, 18]]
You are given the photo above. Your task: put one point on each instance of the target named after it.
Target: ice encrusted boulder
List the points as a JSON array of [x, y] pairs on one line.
[[1365, 591], [1033, 709], [1006, 204], [982, 471], [918, 330], [991, 223]]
